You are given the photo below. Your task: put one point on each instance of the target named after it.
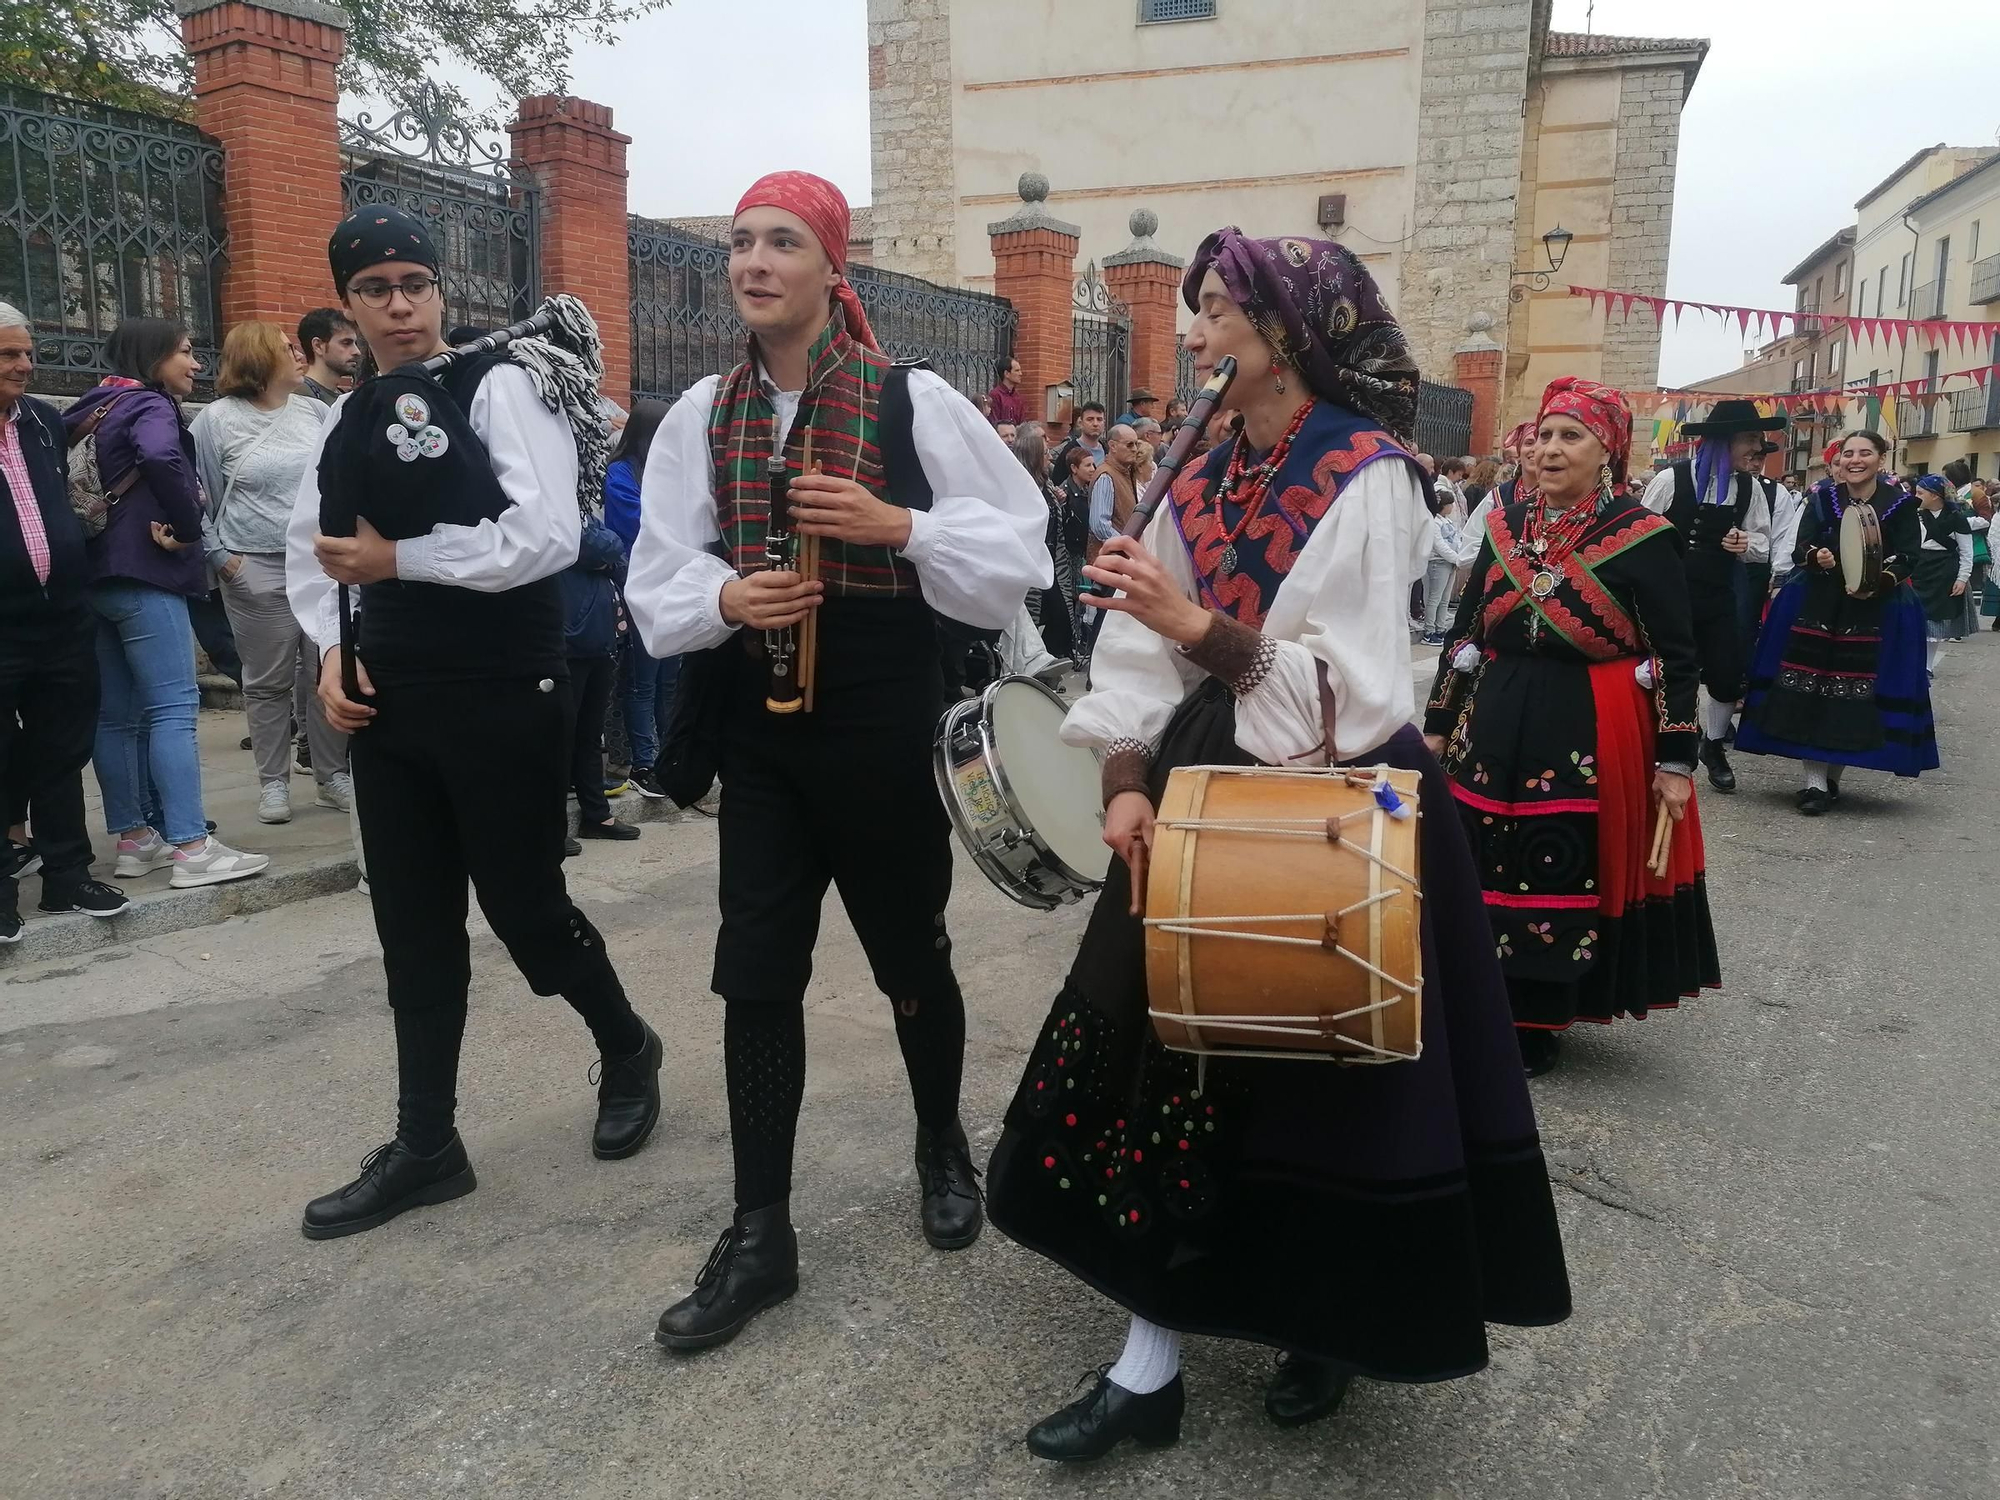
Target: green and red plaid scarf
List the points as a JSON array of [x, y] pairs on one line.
[[843, 392]]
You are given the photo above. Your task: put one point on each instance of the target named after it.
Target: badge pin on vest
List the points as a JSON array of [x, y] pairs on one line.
[[396, 432], [411, 408], [407, 451], [432, 442]]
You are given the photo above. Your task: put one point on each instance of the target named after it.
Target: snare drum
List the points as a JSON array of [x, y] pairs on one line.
[[1027, 807], [1860, 549], [1283, 914]]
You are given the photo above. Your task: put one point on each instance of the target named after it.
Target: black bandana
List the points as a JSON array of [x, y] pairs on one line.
[[369, 236]]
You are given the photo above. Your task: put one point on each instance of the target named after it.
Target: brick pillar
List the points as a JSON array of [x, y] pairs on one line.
[[569, 150], [1476, 367], [1148, 280], [1034, 267], [264, 87]]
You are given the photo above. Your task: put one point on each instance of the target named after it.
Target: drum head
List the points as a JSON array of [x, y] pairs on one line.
[[1057, 785], [1853, 548]]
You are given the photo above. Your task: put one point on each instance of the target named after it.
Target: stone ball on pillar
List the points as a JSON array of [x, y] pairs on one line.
[[1144, 223], [1033, 187]]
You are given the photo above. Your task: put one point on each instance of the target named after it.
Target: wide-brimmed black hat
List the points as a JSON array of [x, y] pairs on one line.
[[1727, 418]]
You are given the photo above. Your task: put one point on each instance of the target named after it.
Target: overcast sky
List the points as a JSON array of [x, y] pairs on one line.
[[1801, 107]]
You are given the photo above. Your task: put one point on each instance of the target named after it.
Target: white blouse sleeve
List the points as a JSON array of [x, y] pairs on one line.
[[982, 544], [1757, 525], [674, 585], [1137, 678], [1472, 535], [1659, 492], [314, 598], [1345, 604], [534, 457]]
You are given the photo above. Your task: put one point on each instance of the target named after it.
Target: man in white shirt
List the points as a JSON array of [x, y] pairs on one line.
[[1725, 521], [922, 515], [451, 503]]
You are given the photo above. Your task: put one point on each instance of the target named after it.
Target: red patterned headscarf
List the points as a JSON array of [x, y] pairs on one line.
[[1600, 409], [823, 209], [1518, 438]]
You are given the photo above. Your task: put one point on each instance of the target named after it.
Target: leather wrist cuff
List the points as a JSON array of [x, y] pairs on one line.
[[1126, 767], [1232, 651]]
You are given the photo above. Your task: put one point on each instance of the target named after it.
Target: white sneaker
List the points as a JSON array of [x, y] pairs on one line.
[[274, 803], [213, 863], [337, 792], [137, 857]]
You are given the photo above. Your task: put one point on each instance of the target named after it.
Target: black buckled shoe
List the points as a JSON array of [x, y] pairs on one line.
[[393, 1180], [628, 1100], [1813, 802], [952, 1212], [1720, 776], [1095, 1423], [754, 1265], [1304, 1390]]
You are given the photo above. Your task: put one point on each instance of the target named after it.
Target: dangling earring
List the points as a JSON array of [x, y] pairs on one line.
[[1604, 480], [1278, 378]]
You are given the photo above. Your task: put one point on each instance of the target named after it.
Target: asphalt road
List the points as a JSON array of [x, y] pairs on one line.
[[1779, 1206]]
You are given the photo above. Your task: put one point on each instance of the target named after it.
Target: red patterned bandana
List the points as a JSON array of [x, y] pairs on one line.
[[1599, 408], [822, 208]]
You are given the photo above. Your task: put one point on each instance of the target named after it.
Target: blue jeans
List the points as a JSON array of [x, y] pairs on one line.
[[647, 699], [148, 765]]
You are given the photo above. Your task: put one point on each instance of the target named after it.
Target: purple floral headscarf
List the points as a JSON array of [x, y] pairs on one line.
[[1315, 303]]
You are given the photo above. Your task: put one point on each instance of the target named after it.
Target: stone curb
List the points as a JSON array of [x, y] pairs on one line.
[[44, 937]]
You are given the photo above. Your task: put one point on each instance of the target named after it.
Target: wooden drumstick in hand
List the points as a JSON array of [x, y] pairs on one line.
[[1663, 843]]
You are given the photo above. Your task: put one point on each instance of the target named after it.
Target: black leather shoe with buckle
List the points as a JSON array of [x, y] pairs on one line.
[[1304, 1390], [952, 1212], [628, 1100], [1095, 1423], [393, 1180], [754, 1265]]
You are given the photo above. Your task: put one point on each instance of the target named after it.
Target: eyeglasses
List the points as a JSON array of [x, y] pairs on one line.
[[416, 290]]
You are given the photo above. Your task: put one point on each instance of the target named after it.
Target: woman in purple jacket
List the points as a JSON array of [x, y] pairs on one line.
[[144, 567]]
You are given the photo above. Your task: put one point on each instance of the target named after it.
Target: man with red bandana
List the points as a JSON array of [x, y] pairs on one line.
[[921, 512]]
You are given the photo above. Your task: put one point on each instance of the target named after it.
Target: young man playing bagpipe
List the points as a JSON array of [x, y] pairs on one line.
[[451, 499]]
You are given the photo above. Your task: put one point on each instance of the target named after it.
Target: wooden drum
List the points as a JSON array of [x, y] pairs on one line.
[[1283, 914]]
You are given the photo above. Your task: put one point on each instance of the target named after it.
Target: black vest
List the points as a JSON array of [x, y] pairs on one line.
[[1702, 527], [431, 632]]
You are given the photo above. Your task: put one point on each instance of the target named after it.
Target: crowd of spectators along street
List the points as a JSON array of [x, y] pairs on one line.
[[134, 528]]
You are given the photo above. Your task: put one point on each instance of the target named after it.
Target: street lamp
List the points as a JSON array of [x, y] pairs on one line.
[[1555, 245]]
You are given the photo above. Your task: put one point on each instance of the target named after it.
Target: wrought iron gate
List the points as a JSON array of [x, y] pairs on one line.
[[1444, 421], [106, 214], [1100, 343], [486, 221]]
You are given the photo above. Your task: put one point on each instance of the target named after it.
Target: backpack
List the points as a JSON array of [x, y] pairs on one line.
[[89, 497]]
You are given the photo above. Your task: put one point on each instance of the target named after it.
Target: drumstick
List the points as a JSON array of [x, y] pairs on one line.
[[1663, 843]]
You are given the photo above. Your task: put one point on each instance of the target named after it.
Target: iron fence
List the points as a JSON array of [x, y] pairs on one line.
[[1100, 342], [486, 221], [1185, 384], [684, 323], [1444, 420], [106, 214]]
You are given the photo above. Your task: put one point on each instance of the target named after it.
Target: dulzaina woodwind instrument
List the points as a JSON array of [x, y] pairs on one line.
[[1192, 426], [533, 326], [781, 646], [791, 653]]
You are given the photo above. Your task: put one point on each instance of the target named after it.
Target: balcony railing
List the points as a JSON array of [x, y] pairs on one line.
[[1986, 281], [1973, 410], [1914, 420], [1927, 301]]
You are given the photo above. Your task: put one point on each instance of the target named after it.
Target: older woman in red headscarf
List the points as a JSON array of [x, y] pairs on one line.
[[1564, 712]]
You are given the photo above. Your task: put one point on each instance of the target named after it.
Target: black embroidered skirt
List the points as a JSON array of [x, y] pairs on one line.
[[1377, 1216]]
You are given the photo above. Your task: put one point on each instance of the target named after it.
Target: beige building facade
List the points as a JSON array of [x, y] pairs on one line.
[[1437, 140]]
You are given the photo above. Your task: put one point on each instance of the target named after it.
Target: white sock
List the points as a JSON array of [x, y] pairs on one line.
[[1151, 1360], [1932, 651], [1815, 775], [1715, 718]]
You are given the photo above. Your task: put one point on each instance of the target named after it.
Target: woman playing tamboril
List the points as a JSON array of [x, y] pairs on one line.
[[1363, 1220]]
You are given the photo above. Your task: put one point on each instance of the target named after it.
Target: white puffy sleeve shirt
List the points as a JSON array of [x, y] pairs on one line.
[[978, 550], [1344, 604], [533, 453]]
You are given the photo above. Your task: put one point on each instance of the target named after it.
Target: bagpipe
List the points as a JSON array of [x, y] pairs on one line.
[[404, 455]]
